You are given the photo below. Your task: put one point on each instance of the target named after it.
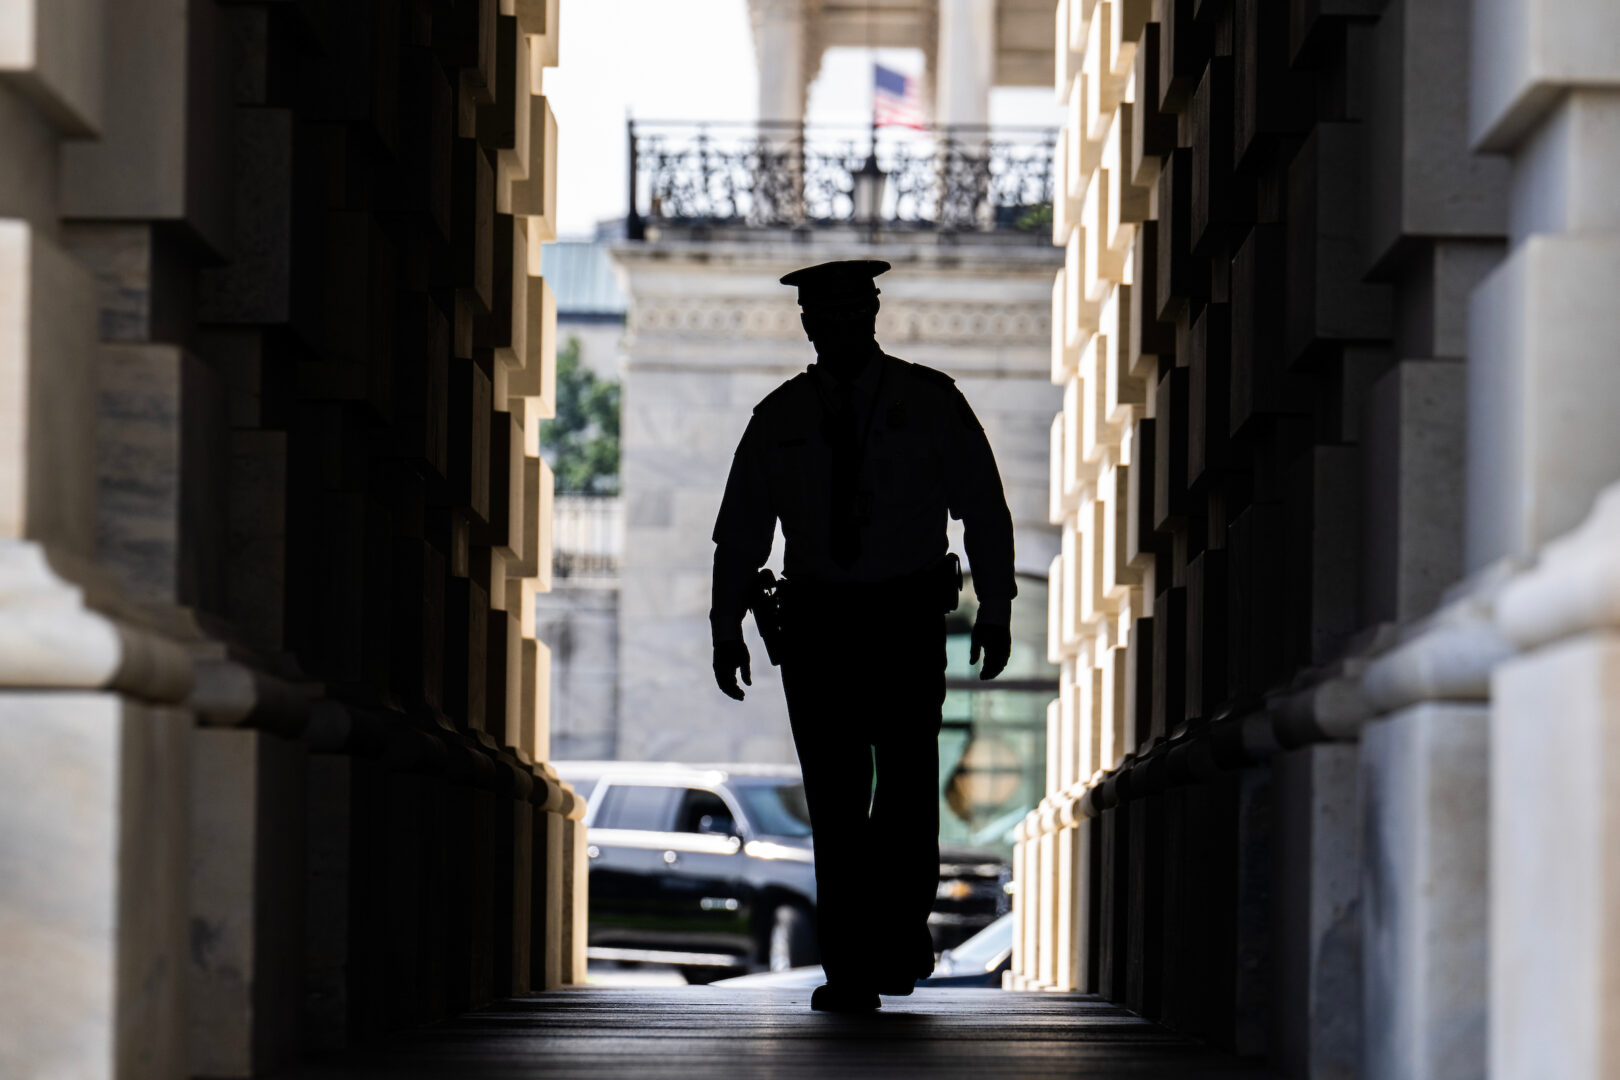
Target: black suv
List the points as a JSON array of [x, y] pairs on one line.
[[709, 868]]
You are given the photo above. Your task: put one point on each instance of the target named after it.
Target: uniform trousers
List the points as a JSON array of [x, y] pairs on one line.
[[864, 675]]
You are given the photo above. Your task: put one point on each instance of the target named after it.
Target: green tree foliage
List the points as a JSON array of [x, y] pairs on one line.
[[582, 443]]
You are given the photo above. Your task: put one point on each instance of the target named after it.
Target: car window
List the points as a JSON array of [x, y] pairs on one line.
[[638, 806], [776, 809], [698, 805]]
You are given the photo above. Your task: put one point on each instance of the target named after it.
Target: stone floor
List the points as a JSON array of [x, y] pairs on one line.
[[649, 1034]]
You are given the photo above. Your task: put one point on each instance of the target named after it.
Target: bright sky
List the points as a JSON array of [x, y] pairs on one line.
[[691, 60]]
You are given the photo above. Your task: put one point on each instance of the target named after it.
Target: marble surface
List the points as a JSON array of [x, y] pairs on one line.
[[1425, 790], [47, 373], [1541, 389], [1316, 913], [245, 964], [92, 886], [1554, 877]]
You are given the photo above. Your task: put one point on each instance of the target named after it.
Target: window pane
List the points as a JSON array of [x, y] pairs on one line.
[[638, 806], [699, 804], [777, 809]]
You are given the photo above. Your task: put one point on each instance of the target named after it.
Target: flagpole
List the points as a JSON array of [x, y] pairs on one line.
[[871, 141]]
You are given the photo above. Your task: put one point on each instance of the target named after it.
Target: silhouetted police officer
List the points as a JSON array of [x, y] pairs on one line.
[[860, 458]]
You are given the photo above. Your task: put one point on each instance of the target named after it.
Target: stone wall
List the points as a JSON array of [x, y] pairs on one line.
[[1331, 323], [273, 355], [579, 622]]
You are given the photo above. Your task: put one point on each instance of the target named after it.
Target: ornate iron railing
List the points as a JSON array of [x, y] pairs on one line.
[[773, 175]]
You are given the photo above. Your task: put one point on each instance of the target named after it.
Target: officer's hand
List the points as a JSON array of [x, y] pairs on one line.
[[996, 644], [729, 658]]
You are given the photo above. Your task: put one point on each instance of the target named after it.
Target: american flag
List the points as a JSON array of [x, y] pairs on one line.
[[894, 99]]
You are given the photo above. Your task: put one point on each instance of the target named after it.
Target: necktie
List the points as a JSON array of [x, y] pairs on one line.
[[844, 537]]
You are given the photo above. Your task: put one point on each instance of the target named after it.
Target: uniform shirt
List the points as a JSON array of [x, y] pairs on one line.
[[925, 456]]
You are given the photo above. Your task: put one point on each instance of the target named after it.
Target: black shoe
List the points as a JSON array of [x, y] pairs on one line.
[[897, 988], [840, 999]]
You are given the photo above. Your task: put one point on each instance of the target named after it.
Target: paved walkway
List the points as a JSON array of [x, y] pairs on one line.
[[644, 1034]]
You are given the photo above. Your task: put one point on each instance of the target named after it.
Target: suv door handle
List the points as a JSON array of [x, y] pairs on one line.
[[670, 858]]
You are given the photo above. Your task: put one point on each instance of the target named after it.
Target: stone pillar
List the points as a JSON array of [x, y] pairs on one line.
[[576, 885], [1013, 979], [965, 61], [247, 912], [1424, 793], [93, 886], [1055, 877], [782, 51], [551, 963], [781, 35], [1543, 445], [94, 771], [1424, 787], [1554, 802], [1070, 946], [1542, 382], [1315, 917]]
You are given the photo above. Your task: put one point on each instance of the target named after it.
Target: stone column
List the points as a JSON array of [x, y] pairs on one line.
[[781, 30], [1542, 382], [1315, 920], [1424, 793], [782, 52], [1554, 805], [576, 886], [965, 67], [966, 60], [1543, 444], [94, 770]]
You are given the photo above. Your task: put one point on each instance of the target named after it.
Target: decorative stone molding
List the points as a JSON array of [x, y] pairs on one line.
[[52, 638], [943, 322], [231, 694], [1447, 656], [1574, 588], [1328, 706]]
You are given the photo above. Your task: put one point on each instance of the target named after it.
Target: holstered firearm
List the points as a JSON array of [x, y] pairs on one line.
[[766, 603], [949, 573]]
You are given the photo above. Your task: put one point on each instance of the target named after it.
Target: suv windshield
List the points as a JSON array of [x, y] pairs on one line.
[[776, 809]]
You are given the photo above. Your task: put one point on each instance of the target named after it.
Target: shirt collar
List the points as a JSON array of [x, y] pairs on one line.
[[866, 381]]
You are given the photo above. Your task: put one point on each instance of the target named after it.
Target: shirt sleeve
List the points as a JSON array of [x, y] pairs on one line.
[[979, 503], [742, 535]]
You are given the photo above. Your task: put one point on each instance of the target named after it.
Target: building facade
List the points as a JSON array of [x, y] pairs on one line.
[[1334, 605], [273, 355]]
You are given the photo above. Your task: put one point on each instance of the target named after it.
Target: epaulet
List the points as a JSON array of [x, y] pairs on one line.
[[928, 374], [782, 394]]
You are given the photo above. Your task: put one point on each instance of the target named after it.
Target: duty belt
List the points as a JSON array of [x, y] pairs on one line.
[[938, 585]]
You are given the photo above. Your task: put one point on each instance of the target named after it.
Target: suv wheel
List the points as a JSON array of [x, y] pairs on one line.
[[793, 939]]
